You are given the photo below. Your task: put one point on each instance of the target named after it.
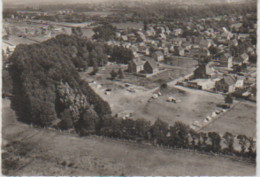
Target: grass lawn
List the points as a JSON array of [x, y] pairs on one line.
[[240, 120]]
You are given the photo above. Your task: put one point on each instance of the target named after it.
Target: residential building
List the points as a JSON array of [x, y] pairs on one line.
[[158, 56], [135, 66], [151, 66], [226, 84], [226, 60], [204, 71]]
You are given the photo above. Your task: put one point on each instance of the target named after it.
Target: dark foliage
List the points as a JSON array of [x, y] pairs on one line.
[[38, 70]]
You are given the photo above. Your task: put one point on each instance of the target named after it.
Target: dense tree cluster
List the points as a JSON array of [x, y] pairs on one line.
[[104, 32], [156, 12], [46, 84], [121, 55]]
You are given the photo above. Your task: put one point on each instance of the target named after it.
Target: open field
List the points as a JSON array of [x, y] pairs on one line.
[[194, 105], [30, 151], [240, 120]]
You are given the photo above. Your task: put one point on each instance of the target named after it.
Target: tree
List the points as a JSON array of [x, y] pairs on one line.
[[215, 141], [76, 31], [159, 130], [142, 128], [195, 136], [120, 73], [229, 99], [66, 121], [179, 135], [95, 68], [251, 148], [242, 142], [113, 74], [122, 55], [229, 141], [87, 122], [145, 24], [105, 32]]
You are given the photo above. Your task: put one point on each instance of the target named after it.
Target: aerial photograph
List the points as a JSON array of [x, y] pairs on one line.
[[129, 87]]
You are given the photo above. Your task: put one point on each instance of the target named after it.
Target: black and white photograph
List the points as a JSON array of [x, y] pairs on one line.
[[129, 87]]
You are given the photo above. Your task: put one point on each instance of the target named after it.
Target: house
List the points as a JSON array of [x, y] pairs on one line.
[[135, 66], [243, 36], [178, 41], [226, 61], [158, 56], [236, 27], [233, 42], [204, 71], [165, 51], [151, 66], [226, 84], [245, 58], [205, 43], [179, 51], [124, 37], [141, 35], [204, 84], [177, 32]]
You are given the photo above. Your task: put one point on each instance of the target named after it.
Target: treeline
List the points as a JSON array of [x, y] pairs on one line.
[[177, 136], [164, 11], [39, 73]]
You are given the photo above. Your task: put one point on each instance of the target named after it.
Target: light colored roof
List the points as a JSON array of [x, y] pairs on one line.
[[244, 56], [152, 63], [158, 53], [229, 79], [138, 62]]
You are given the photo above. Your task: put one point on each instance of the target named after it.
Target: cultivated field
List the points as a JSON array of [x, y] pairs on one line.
[[30, 151]]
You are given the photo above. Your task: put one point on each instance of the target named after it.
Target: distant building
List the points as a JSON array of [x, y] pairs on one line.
[[233, 42], [177, 32], [204, 71], [178, 41], [226, 84], [205, 43], [236, 27], [124, 37], [245, 58], [151, 66], [226, 61], [158, 56], [135, 66], [179, 51]]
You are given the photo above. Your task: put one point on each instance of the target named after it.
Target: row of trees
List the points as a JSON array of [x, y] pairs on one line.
[[177, 136], [156, 12]]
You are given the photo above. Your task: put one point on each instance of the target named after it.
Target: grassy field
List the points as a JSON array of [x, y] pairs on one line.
[[194, 105], [240, 120], [30, 151]]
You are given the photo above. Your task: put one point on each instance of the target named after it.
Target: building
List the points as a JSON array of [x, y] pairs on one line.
[[204, 71], [245, 58], [151, 66], [135, 66], [226, 84], [158, 56], [205, 43], [179, 51], [226, 61], [236, 27]]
